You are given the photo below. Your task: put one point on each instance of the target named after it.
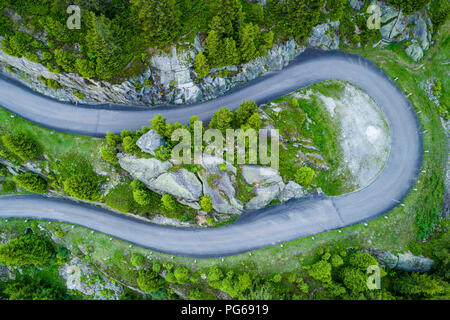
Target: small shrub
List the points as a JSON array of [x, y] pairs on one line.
[[21, 146], [31, 182], [206, 203], [112, 139], [8, 186], [109, 154], [83, 187], [168, 202], [137, 259], [304, 176]]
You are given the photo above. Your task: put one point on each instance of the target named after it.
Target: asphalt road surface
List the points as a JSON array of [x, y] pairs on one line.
[[253, 230]]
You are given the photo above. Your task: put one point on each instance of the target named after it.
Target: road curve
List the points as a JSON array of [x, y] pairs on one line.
[[254, 230]]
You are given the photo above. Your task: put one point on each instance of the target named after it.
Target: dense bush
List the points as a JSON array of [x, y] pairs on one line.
[[121, 198], [29, 249], [439, 11], [21, 146], [31, 182], [8, 186], [137, 259], [149, 281], [112, 139], [34, 287], [222, 120], [408, 6], [109, 154], [304, 176], [206, 203], [83, 187], [168, 202]]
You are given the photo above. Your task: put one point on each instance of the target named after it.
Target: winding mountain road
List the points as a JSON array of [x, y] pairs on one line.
[[254, 230]]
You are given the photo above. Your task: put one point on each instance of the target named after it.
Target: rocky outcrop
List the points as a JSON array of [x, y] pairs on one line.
[[168, 80], [356, 4], [145, 170], [149, 142], [267, 183], [182, 184], [291, 191], [155, 174], [218, 184], [403, 261], [325, 36], [415, 51], [416, 27]]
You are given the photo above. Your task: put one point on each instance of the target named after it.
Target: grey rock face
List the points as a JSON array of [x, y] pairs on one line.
[[420, 32], [182, 184], [415, 52], [149, 142], [254, 174], [356, 4], [403, 261], [268, 184], [263, 197], [324, 36], [291, 191], [218, 185], [145, 170]]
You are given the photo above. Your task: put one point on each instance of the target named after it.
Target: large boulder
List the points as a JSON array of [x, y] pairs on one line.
[[264, 195], [217, 183], [356, 4], [254, 174], [324, 36], [182, 184], [145, 170], [149, 142], [291, 191], [155, 174], [403, 261], [415, 51], [421, 32], [267, 182]]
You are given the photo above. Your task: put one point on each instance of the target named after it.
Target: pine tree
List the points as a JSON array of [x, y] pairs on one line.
[[104, 41], [159, 20], [201, 65], [248, 48], [231, 52], [214, 49]]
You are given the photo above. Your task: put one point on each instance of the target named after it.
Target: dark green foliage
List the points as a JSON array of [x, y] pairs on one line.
[[29, 249], [21, 146], [8, 186], [142, 195], [418, 285], [31, 182], [83, 187], [244, 112], [159, 21], [439, 11], [105, 40], [408, 6], [36, 287]]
